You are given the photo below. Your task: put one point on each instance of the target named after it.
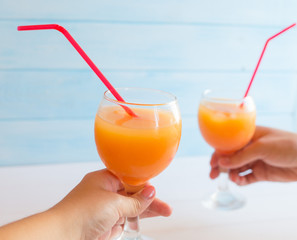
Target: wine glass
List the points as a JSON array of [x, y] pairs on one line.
[[227, 125], [137, 148]]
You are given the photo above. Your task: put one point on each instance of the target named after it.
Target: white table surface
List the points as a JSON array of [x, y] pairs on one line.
[[270, 212]]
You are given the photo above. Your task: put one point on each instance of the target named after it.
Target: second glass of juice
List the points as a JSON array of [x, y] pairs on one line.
[[227, 125]]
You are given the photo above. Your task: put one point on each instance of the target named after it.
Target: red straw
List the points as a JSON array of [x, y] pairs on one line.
[[247, 91], [84, 56]]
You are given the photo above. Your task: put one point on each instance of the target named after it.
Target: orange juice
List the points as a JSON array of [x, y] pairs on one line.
[[136, 148], [226, 126]]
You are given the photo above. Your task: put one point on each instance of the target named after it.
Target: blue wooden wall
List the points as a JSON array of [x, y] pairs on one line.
[[49, 96]]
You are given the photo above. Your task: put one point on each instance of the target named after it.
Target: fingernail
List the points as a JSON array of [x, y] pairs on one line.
[[148, 192]]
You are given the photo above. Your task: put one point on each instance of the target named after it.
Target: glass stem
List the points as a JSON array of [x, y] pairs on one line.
[[223, 181], [131, 229]]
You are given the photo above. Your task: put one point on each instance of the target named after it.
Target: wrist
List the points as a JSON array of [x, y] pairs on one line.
[[69, 224], [45, 225]]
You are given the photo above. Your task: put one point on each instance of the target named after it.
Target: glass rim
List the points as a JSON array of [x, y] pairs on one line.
[[113, 100], [205, 96]]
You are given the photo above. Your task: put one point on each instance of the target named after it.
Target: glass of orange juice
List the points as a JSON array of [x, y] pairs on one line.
[[227, 125], [137, 148]]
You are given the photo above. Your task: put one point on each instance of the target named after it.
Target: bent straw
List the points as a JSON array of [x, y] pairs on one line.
[[83, 55], [255, 71]]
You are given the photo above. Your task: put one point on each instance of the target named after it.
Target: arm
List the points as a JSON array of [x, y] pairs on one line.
[[94, 209], [46, 225]]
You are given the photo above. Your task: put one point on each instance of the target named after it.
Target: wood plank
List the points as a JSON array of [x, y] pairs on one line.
[[232, 12], [40, 142], [62, 141], [157, 47], [76, 94]]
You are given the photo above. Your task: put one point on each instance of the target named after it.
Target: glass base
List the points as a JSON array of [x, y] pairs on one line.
[[224, 200], [137, 238]]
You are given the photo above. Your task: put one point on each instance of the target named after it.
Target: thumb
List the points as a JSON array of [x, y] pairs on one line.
[[241, 158], [134, 205]]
